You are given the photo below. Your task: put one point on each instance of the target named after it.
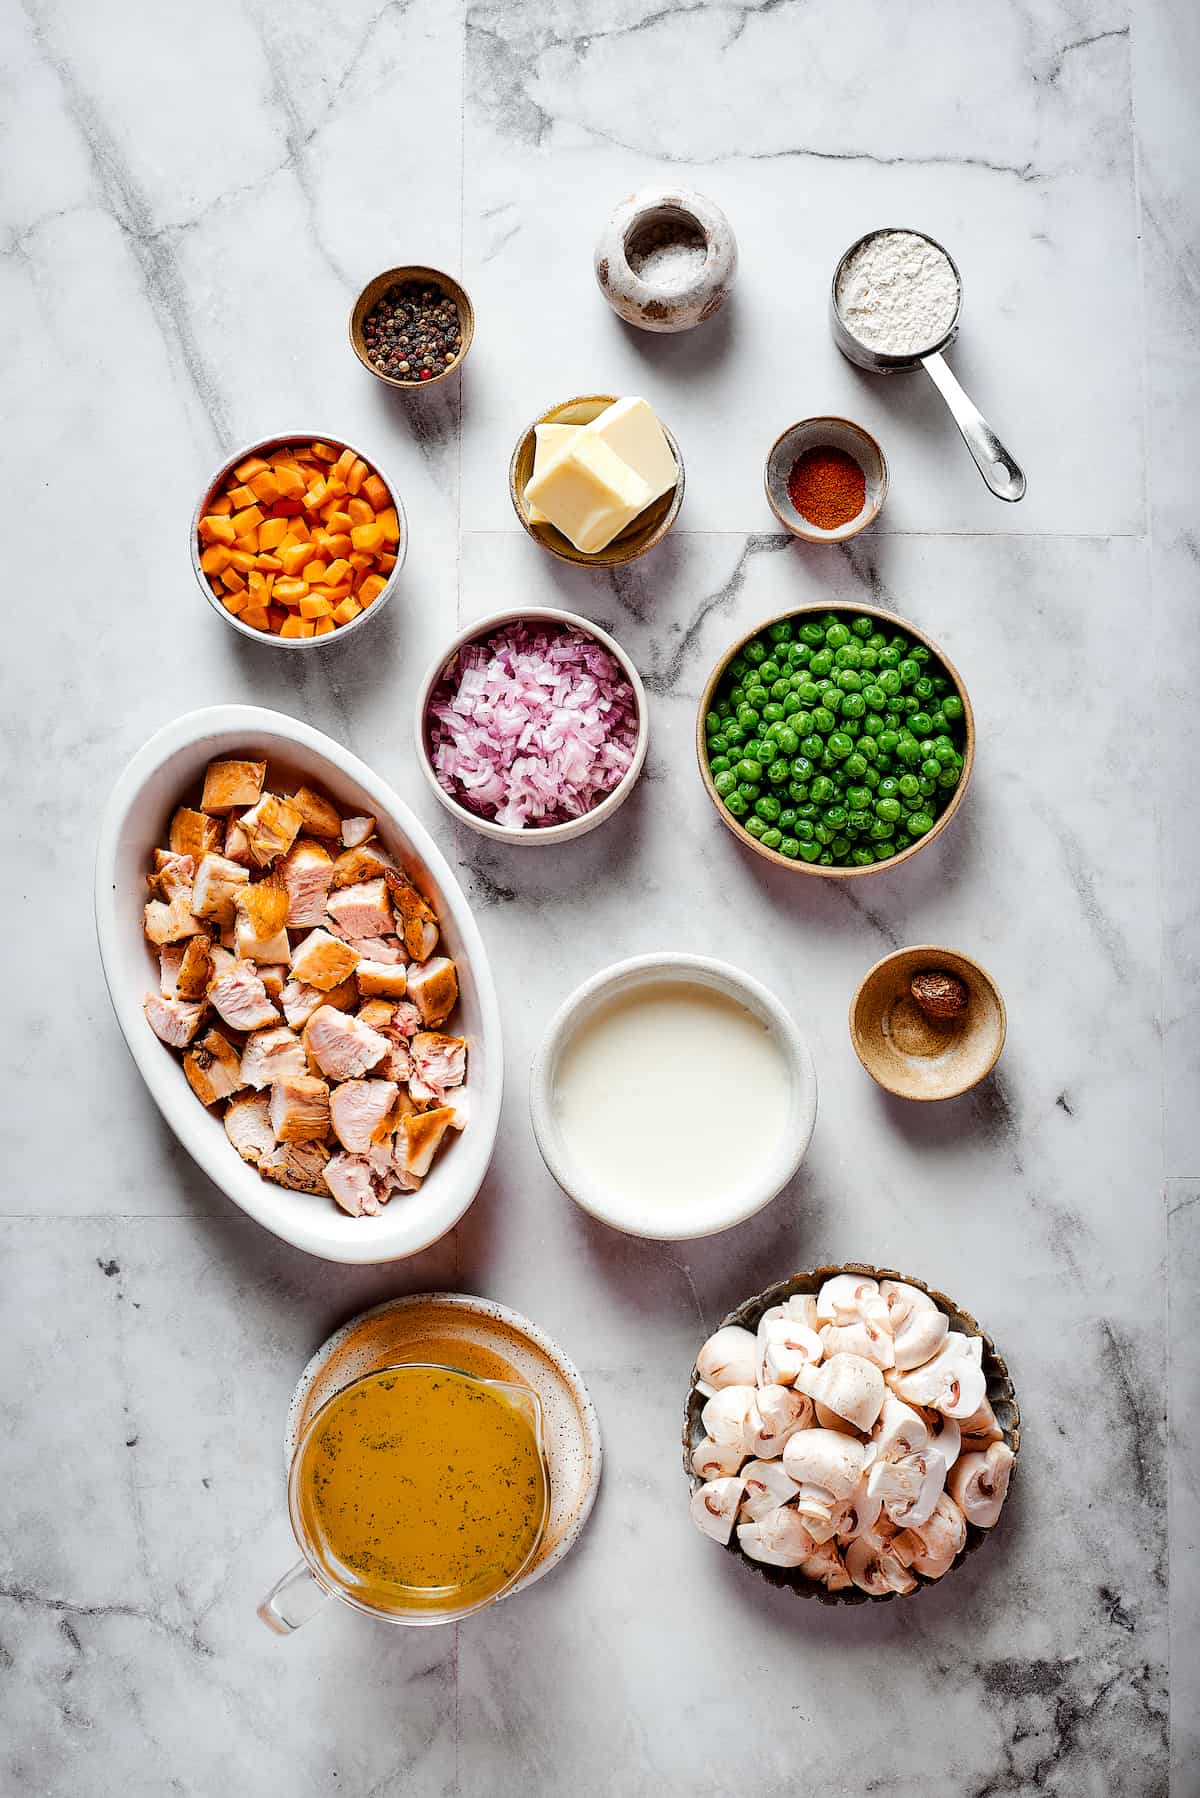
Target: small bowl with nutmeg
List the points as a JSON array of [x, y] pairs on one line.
[[927, 1023]]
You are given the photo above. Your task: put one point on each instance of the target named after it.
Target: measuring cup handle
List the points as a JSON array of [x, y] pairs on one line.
[[292, 1600], [993, 461]]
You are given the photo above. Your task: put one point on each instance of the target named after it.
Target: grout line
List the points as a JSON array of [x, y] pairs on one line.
[[934, 536]]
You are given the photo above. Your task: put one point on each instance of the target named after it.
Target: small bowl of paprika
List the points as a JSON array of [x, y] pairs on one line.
[[826, 479]]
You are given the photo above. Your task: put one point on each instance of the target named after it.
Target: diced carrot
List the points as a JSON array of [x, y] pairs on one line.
[[323, 452], [337, 543], [256, 618], [370, 589], [335, 486], [215, 558], [323, 627], [314, 573], [385, 564], [290, 481], [271, 532], [241, 496], [288, 590], [348, 609], [315, 605], [335, 573], [216, 529], [367, 537], [268, 564], [248, 543], [235, 602], [265, 487], [359, 511], [277, 616], [231, 579], [221, 507], [337, 520], [246, 471], [256, 581], [295, 627], [315, 495], [375, 491], [345, 463], [390, 521], [293, 558], [300, 529], [248, 519], [334, 594], [358, 559], [356, 477], [242, 560]]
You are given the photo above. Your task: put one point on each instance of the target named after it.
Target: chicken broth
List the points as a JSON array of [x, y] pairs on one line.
[[650, 1086], [419, 1489]]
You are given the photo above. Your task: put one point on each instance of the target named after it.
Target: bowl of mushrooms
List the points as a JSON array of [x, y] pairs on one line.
[[850, 1434]]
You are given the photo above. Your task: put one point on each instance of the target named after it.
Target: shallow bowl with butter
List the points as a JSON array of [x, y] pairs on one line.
[[597, 480]]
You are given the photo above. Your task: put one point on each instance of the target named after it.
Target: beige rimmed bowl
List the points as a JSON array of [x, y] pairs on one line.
[[825, 433], [374, 291], [264, 447], [1001, 1397], [644, 533], [552, 833], [886, 619], [915, 1056]]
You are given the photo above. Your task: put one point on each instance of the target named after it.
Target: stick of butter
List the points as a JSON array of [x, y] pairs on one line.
[[548, 441], [631, 430], [589, 493]]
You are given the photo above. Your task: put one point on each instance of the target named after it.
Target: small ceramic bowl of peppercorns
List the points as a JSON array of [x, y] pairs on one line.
[[412, 326], [927, 1022], [826, 479]]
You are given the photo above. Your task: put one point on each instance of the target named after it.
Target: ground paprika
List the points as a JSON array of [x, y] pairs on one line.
[[827, 487]]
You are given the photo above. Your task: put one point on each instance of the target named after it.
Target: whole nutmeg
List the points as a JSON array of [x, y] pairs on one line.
[[939, 994]]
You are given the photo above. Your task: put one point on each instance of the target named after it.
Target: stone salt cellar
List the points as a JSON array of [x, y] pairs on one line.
[[666, 259]]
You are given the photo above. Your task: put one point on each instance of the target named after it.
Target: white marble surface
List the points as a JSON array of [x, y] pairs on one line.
[[190, 201]]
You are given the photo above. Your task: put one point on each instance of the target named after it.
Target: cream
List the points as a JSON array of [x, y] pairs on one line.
[[671, 1093]]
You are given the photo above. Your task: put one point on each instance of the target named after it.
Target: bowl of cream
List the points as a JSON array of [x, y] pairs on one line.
[[673, 1096]]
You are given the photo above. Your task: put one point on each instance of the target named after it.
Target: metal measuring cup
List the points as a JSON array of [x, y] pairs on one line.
[[995, 464]]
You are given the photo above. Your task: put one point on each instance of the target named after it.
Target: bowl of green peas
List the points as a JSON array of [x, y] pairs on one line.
[[835, 740]]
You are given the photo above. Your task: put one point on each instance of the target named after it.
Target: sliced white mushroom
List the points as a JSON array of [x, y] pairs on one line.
[[920, 1335], [945, 1436], [726, 1417], [802, 1307], [776, 1413], [979, 1483], [728, 1358], [860, 1511], [827, 1468], [847, 1384], [714, 1507], [902, 1300], [874, 1566], [829, 1420], [840, 1299], [931, 1547], [899, 1431], [778, 1537], [980, 1428], [909, 1489], [715, 1460], [768, 1486], [786, 1345], [859, 1338], [952, 1381], [825, 1564]]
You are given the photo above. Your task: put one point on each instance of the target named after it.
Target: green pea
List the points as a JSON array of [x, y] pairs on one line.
[[836, 636], [719, 744], [823, 834], [725, 781], [749, 770], [804, 829], [712, 723], [797, 791], [788, 740], [931, 767], [768, 808], [849, 656], [857, 822], [949, 777], [909, 751], [920, 725], [807, 810], [823, 720], [939, 721], [812, 746], [891, 809], [748, 718], [952, 706], [927, 787], [853, 705], [889, 657], [813, 634], [835, 817], [801, 722], [821, 790], [856, 765], [757, 695], [918, 823], [822, 663], [840, 848], [809, 852], [862, 626], [873, 726], [869, 656], [739, 667], [755, 652], [909, 671], [840, 745], [719, 764], [735, 804], [848, 680], [909, 785], [748, 790], [802, 768], [945, 752], [755, 826], [780, 631], [771, 839], [787, 819], [768, 671], [797, 655], [867, 746], [923, 688], [757, 751], [871, 778], [791, 703], [735, 735], [809, 691], [919, 653], [889, 787], [790, 847], [888, 683], [772, 712], [862, 856], [771, 733], [882, 829], [858, 798], [778, 772]]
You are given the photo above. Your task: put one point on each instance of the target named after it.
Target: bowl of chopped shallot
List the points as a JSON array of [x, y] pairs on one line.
[[300, 982], [298, 540], [531, 726]]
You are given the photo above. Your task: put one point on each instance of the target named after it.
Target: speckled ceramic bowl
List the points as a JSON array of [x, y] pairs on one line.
[[1000, 1394], [645, 532], [825, 433], [476, 1336]]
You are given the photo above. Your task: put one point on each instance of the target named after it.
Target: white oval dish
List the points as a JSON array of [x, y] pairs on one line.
[[135, 819], [703, 1218], [553, 833]]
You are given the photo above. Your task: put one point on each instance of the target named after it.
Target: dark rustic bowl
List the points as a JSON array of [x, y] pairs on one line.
[[999, 1391], [374, 291]]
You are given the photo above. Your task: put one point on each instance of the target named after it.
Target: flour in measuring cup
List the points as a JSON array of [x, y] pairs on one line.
[[898, 293]]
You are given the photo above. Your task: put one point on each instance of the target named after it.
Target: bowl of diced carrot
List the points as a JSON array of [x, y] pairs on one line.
[[298, 539]]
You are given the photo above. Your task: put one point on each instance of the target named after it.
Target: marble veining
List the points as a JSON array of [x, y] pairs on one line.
[[189, 205]]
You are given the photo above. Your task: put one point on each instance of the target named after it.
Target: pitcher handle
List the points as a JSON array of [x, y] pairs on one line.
[[292, 1600]]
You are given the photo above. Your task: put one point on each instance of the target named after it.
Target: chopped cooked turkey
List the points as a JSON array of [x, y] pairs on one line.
[[381, 979], [417, 919], [269, 1055], [317, 815], [300, 1109], [438, 1063], [349, 1179], [170, 923], [363, 910], [306, 871], [323, 960], [213, 1068], [196, 968], [359, 1110], [241, 998], [297, 1165], [173, 1021], [173, 876], [419, 1136], [356, 831], [270, 827], [355, 865], [299, 1001], [341, 1046], [193, 834], [248, 1126], [216, 887], [433, 988], [230, 784]]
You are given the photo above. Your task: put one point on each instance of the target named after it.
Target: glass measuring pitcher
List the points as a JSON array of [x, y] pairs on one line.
[[417, 1493]]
